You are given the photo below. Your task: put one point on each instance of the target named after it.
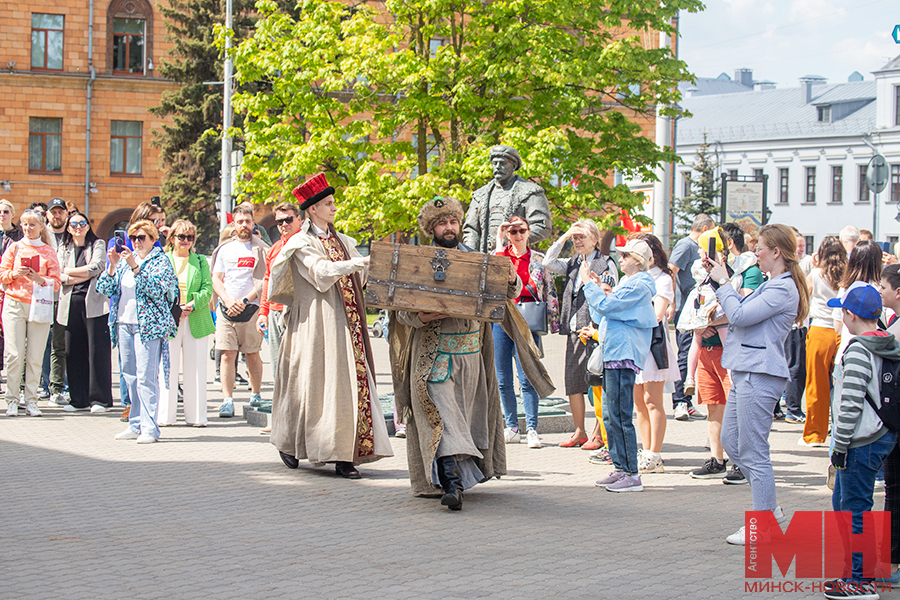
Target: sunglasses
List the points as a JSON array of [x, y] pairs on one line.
[[158, 221], [184, 237], [137, 238], [284, 221], [5, 212], [517, 231], [78, 224]]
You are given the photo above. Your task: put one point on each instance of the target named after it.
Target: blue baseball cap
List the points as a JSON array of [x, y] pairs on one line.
[[862, 299]]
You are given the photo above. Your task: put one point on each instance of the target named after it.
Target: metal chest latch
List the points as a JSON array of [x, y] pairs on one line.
[[439, 263]]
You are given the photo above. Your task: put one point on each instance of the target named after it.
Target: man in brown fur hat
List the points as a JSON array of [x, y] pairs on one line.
[[445, 385]]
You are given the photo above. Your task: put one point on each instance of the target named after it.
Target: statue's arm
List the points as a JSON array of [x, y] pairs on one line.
[[537, 213]]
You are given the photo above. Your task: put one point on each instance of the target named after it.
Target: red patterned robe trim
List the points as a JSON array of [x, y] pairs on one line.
[[365, 440]]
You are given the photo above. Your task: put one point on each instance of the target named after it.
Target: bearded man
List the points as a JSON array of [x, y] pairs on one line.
[[445, 385]]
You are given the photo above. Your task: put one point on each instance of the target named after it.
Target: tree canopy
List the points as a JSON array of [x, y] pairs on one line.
[[705, 190], [401, 102]]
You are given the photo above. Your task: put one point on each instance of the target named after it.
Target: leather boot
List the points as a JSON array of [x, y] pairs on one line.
[[451, 481]]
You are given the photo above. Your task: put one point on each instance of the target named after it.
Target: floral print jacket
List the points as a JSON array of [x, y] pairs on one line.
[[155, 287]]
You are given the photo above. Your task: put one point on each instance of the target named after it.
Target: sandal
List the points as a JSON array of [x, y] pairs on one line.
[[574, 442], [594, 444]]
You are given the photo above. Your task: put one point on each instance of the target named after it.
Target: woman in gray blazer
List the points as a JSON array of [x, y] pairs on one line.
[[754, 352], [82, 310]]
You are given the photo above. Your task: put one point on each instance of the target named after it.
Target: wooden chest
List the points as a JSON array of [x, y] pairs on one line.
[[468, 285]]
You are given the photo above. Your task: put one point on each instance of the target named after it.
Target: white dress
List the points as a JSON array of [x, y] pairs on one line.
[[651, 372]]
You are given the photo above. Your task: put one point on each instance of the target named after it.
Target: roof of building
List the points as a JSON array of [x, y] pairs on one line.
[[775, 114], [705, 86]]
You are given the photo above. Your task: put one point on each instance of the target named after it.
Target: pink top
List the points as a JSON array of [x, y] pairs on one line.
[[20, 288]]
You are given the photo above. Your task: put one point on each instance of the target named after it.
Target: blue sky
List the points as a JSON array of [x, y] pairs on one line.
[[782, 40]]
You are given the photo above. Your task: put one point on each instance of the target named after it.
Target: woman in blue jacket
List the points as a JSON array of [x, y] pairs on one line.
[[754, 352], [626, 320]]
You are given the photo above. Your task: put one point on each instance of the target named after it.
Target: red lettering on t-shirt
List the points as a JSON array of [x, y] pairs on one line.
[[246, 262]]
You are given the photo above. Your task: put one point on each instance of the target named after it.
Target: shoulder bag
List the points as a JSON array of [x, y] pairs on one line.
[[658, 345], [535, 313]]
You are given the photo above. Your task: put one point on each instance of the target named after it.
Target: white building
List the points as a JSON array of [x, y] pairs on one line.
[[814, 143]]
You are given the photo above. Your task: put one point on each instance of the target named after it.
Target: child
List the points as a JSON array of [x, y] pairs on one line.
[[860, 441], [890, 298]]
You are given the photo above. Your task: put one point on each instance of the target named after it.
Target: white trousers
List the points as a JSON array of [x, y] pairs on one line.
[[195, 352], [24, 342]]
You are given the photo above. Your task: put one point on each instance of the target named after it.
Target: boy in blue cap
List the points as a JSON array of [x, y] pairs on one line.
[[860, 441]]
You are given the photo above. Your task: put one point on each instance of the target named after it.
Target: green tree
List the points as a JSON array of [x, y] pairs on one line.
[[191, 161], [705, 190], [402, 105]]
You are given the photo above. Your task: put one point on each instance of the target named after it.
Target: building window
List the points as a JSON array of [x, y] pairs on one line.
[[47, 42], [896, 105], [128, 46], [686, 184], [783, 186], [895, 183], [837, 184], [825, 114], [810, 241], [810, 185], [125, 147], [863, 188], [44, 144], [732, 173], [758, 174]]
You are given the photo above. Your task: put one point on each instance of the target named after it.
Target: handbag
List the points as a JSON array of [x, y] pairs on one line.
[[594, 374], [242, 317], [535, 313], [658, 345], [41, 309]]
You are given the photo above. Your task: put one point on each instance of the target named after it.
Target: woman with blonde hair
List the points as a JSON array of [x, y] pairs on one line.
[[574, 315], [28, 265], [142, 287], [754, 351], [194, 328]]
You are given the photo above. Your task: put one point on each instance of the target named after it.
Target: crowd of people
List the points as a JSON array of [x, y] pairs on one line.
[[759, 323]]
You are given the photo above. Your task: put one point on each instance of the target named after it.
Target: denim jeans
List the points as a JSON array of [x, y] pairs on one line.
[[618, 408], [504, 352], [854, 486], [140, 367]]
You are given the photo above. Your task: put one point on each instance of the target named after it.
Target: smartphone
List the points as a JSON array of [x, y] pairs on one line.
[[711, 249], [120, 240]]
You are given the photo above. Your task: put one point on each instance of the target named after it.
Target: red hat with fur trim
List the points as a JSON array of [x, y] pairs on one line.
[[312, 191]]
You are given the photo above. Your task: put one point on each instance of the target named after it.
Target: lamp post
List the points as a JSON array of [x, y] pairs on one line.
[[225, 202]]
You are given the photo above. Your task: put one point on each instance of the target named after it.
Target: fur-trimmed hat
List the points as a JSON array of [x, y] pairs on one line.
[[509, 153], [312, 191], [435, 209]]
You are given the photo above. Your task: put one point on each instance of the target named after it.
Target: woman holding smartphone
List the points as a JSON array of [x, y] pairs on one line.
[[27, 263], [754, 351]]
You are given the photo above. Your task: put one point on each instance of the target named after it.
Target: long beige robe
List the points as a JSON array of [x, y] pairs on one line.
[[314, 408], [435, 413]]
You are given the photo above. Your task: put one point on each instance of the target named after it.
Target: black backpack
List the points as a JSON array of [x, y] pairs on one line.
[[889, 387]]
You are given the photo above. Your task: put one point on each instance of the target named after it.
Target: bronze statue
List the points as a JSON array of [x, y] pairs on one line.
[[506, 195]]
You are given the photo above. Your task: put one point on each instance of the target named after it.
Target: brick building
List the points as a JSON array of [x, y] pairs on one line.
[[63, 83]]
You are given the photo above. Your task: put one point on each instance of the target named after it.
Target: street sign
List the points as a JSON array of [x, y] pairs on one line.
[[896, 34], [877, 174]]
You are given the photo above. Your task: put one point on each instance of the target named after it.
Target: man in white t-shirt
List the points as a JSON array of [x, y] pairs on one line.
[[239, 267]]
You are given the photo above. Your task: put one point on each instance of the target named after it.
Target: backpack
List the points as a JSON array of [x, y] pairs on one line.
[[889, 388]]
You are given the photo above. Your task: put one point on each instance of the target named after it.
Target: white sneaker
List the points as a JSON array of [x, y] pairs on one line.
[[57, 401], [12, 409], [69, 408], [98, 408], [511, 436], [534, 441], [33, 410], [128, 434], [146, 438], [804, 443], [651, 465], [681, 412], [737, 538]]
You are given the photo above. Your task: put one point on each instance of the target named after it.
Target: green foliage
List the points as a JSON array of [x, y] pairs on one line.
[[191, 161], [394, 119], [705, 190]]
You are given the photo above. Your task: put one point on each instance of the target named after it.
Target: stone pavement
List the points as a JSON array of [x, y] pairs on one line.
[[212, 513]]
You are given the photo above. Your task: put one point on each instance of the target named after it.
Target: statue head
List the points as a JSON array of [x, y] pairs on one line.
[[505, 161]]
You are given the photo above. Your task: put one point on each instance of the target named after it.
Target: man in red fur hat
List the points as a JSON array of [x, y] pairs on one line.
[[325, 408]]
